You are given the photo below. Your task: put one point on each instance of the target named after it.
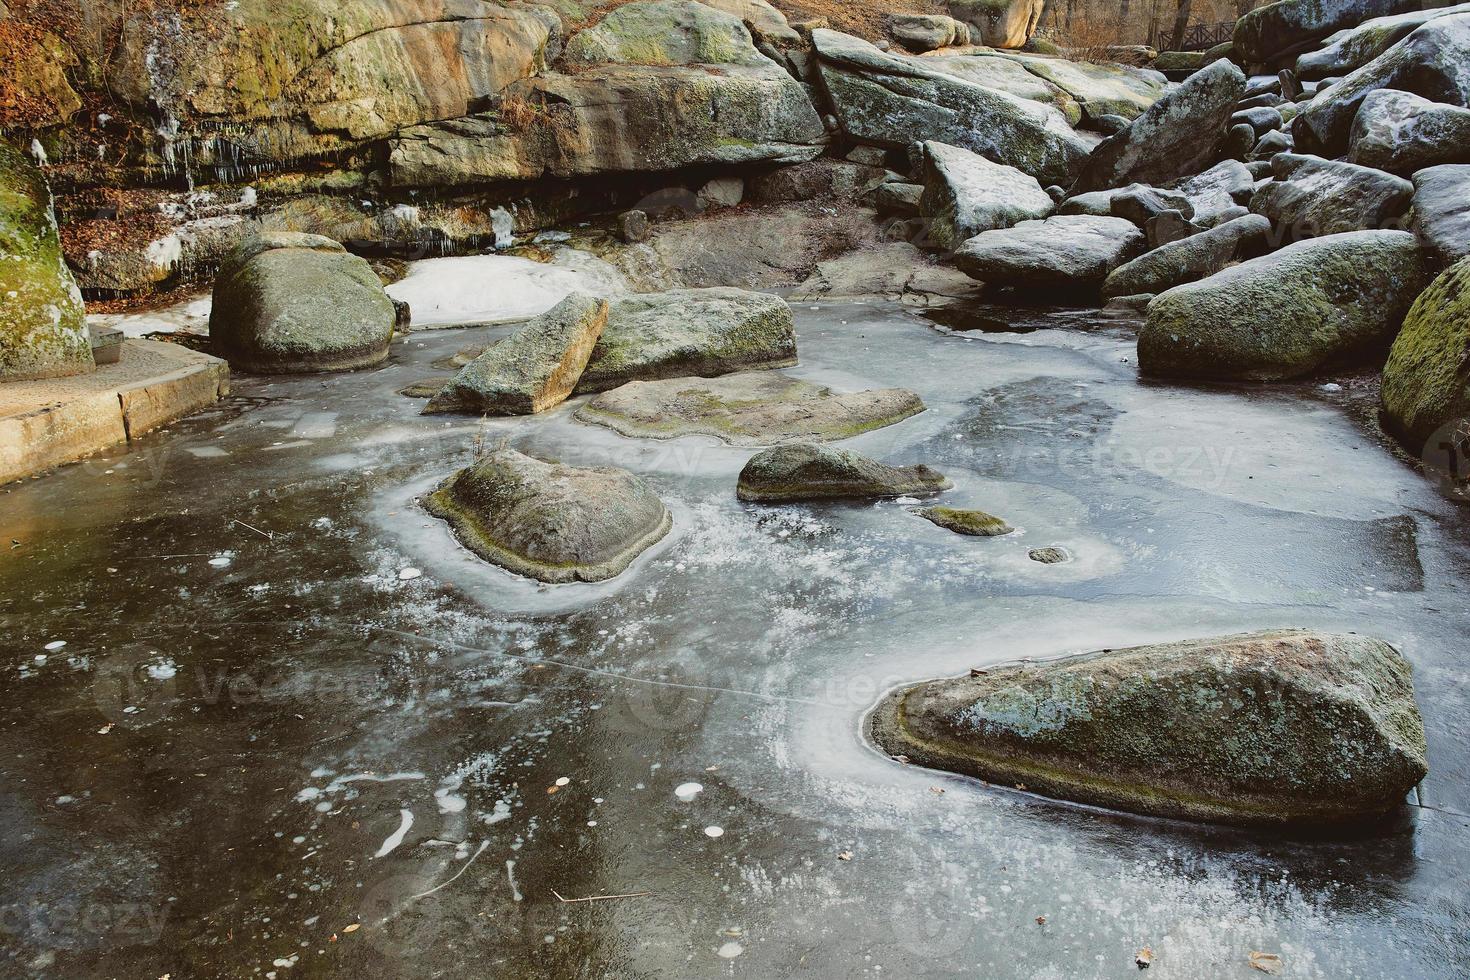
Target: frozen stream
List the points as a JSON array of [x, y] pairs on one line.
[[264, 727]]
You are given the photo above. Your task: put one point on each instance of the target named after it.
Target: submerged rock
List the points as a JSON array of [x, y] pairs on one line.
[[965, 194], [1048, 556], [550, 522], [1070, 252], [1426, 386], [1320, 301], [754, 409], [532, 370], [1287, 728], [975, 523], [43, 330], [1442, 210], [806, 472], [287, 303], [1180, 134], [684, 332]]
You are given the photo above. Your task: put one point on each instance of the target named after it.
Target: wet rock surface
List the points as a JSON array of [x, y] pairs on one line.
[[807, 472], [548, 521], [1287, 728], [752, 409]]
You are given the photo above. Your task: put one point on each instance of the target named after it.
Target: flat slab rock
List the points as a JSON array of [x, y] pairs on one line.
[[761, 408], [550, 522], [684, 332], [1284, 728], [806, 472]]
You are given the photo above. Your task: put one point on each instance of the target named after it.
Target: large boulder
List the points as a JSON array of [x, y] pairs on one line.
[[927, 32], [612, 118], [1288, 26], [1181, 134], [1426, 382], [287, 303], [1070, 253], [806, 472], [1008, 74], [1189, 259], [271, 82], [965, 194], [43, 329], [1217, 191], [1287, 728], [1099, 90], [690, 332], [550, 522], [762, 408], [1311, 196], [1353, 47], [532, 370], [1430, 62], [893, 101], [1319, 301], [1442, 210], [1403, 133], [665, 32], [999, 23]]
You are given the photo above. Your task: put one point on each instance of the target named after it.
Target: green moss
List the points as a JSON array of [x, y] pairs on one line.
[[1426, 385], [976, 523]]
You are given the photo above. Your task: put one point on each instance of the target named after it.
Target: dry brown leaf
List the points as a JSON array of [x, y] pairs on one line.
[[352, 928], [1266, 962], [1144, 958]]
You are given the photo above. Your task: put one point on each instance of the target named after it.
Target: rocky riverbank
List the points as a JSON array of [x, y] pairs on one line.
[[1292, 204]]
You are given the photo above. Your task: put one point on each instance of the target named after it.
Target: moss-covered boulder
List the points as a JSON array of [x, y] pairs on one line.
[[1322, 301], [1289, 728], [1402, 133], [43, 331], [972, 523], [288, 303], [534, 369], [1353, 47], [965, 194], [806, 472], [890, 100], [1279, 28], [1426, 382], [1309, 197], [548, 521], [1180, 134], [1189, 259], [665, 32], [762, 408], [690, 332], [1430, 62]]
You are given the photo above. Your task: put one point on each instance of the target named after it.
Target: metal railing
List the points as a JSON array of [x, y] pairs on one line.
[[1198, 37]]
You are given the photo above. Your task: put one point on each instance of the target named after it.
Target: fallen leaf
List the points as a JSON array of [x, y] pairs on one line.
[[105, 729], [844, 855], [936, 789], [552, 789], [1041, 920], [1266, 962], [352, 928], [1144, 958]]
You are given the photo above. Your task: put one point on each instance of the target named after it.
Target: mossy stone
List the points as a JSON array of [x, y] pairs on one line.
[[1426, 383], [975, 523]]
